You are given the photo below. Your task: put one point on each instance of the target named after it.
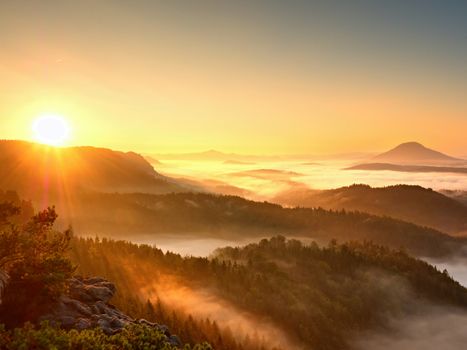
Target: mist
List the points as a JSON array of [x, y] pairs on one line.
[[190, 244], [433, 328], [266, 179], [419, 324], [456, 268], [428, 326], [201, 302]]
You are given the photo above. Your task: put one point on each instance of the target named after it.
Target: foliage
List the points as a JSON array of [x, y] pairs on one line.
[[415, 204], [34, 257], [319, 296], [332, 292], [13, 209], [114, 214], [134, 337], [132, 267]]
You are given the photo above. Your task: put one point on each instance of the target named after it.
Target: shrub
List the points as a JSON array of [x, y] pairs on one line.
[[45, 337]]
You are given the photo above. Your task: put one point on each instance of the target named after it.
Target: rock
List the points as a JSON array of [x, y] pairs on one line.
[[83, 323], [105, 325], [86, 306], [118, 323], [92, 280], [146, 322], [175, 340], [66, 321], [101, 307], [78, 306], [91, 289], [164, 329], [100, 293]]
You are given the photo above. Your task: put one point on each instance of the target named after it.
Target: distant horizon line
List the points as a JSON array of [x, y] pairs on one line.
[[227, 153]]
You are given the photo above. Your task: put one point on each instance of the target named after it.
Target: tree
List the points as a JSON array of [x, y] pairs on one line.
[[34, 257]]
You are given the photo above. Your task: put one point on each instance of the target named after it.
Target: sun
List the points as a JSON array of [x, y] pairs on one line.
[[51, 129]]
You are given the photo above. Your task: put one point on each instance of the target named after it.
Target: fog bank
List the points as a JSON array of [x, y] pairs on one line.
[[433, 329]]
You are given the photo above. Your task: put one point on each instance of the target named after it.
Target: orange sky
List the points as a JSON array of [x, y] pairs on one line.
[[157, 77]]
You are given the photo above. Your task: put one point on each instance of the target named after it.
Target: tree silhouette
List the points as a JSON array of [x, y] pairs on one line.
[[34, 257]]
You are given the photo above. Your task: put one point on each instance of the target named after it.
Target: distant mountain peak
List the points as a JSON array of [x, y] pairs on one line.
[[411, 144], [413, 152]]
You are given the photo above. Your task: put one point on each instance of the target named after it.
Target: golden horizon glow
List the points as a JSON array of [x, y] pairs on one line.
[[244, 78], [51, 130]]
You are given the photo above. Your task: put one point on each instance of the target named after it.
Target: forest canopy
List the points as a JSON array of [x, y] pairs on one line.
[[126, 215], [336, 291]]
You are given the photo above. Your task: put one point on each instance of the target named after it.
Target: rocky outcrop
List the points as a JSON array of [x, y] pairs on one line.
[[86, 306]]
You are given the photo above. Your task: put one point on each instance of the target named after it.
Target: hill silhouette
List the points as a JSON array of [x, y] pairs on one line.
[[414, 153], [105, 192], [458, 195], [131, 216], [410, 203], [43, 173]]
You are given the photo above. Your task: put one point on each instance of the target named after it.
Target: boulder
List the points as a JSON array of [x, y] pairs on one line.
[[86, 306], [91, 289]]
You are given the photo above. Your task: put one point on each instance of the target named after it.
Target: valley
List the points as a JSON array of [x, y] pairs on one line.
[[233, 175], [173, 239]]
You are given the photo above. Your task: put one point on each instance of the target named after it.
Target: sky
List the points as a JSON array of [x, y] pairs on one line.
[[257, 77]]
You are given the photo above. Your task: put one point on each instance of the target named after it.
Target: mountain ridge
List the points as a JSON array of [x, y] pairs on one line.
[[406, 202], [41, 173], [410, 152]]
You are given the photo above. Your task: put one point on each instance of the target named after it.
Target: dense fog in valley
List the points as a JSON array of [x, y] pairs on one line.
[[258, 254], [432, 328], [233, 175], [289, 174]]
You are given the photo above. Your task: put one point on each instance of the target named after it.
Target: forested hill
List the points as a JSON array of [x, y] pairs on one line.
[[410, 203], [205, 215], [46, 174], [321, 298]]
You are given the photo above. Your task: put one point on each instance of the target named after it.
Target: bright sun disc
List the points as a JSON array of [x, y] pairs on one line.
[[50, 129]]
